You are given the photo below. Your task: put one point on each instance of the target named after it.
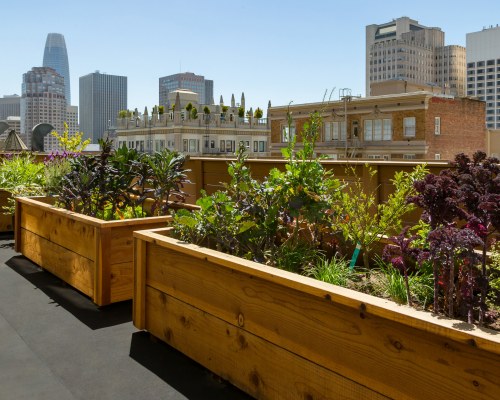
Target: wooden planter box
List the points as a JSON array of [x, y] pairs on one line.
[[94, 256], [277, 335], [6, 220]]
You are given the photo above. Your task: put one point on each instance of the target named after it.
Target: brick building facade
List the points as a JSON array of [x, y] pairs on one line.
[[418, 125]]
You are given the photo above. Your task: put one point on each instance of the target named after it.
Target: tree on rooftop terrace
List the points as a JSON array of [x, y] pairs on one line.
[[258, 113]]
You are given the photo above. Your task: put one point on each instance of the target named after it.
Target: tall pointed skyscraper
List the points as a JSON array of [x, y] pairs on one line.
[[55, 56]]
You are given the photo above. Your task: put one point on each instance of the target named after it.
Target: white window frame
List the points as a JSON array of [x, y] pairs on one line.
[[287, 133], [437, 125], [339, 131], [409, 127], [368, 130], [386, 129]]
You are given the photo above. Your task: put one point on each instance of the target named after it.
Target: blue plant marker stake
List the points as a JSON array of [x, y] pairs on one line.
[[355, 255]]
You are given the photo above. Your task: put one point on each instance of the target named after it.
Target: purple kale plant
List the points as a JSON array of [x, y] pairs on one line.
[[462, 207], [448, 247], [479, 185]]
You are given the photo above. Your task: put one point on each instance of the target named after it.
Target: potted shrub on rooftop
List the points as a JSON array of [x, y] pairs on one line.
[[84, 236], [277, 334]]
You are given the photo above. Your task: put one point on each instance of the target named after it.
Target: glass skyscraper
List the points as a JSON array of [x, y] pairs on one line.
[[55, 56]]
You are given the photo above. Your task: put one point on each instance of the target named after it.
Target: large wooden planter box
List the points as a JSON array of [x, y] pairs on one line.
[[277, 335], [94, 256]]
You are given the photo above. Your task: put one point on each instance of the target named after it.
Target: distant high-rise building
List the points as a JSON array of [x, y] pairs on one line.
[[50, 143], [102, 96], [10, 106], [483, 71], [42, 100], [186, 80], [56, 56], [404, 50]]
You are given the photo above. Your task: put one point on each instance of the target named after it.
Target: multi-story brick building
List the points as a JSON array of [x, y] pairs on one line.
[[418, 125]]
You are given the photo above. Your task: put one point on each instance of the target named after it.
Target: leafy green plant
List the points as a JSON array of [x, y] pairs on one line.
[[241, 112], [361, 222], [21, 175], [57, 165], [280, 221], [166, 178], [71, 143]]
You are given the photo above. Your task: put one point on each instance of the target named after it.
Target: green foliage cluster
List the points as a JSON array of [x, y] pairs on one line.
[[118, 183], [281, 221], [258, 113], [363, 223], [71, 143], [21, 176], [303, 219]]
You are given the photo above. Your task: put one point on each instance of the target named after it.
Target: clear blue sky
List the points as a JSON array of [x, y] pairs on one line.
[[272, 50]]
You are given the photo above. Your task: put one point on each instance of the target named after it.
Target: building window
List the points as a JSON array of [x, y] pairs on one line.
[[287, 134], [262, 146], [255, 146], [368, 130], [409, 157], [409, 126], [185, 146], [194, 145], [437, 156], [378, 129], [229, 146], [437, 125], [339, 130]]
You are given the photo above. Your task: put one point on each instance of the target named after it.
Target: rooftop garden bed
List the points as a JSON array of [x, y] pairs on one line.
[[271, 332]]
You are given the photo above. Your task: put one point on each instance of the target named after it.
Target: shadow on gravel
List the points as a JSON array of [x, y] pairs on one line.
[[180, 372], [70, 299]]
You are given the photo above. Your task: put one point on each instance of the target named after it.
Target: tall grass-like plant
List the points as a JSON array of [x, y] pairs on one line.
[[335, 271], [417, 286]]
